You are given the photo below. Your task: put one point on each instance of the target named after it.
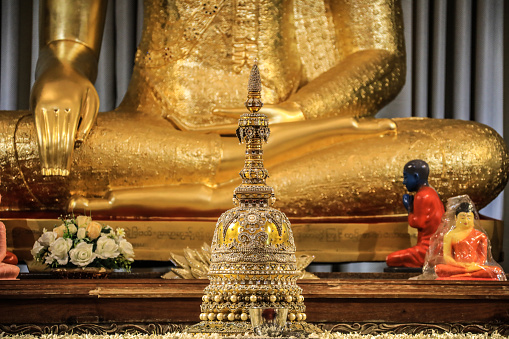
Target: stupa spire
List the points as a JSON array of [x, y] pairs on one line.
[[254, 131]]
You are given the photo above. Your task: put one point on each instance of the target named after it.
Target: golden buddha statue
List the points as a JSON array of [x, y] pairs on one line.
[[169, 149]]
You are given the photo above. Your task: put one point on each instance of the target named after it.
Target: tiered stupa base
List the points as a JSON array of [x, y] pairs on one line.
[[230, 295]]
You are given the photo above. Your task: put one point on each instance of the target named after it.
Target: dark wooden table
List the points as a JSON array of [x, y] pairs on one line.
[[366, 303]]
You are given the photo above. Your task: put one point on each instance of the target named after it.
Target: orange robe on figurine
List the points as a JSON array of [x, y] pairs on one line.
[[465, 251], [425, 213], [8, 261], [7, 269]]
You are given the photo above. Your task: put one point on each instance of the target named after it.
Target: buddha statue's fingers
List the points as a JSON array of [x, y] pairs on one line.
[[226, 129], [88, 115], [64, 101], [373, 126], [56, 130], [79, 203], [280, 113]]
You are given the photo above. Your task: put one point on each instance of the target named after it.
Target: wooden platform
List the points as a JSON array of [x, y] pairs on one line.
[[366, 303]]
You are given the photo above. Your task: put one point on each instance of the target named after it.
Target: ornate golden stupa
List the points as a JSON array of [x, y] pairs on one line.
[[253, 261]]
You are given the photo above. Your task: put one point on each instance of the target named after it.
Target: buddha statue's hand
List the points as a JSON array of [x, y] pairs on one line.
[[65, 104], [472, 267], [277, 113]]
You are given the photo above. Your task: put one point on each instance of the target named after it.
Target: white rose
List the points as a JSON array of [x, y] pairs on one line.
[[48, 238], [83, 221], [126, 248], [94, 230], [72, 228], [60, 230], [82, 254], [106, 248], [59, 250], [36, 249], [82, 233]]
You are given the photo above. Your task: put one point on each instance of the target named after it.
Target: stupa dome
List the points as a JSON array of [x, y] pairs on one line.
[[258, 244]]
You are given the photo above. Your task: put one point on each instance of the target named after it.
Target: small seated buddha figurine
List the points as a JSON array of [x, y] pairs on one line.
[[8, 260], [425, 210], [170, 149], [466, 250]]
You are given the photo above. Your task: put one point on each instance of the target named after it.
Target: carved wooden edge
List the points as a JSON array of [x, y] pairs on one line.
[[416, 328], [111, 328], [163, 328]]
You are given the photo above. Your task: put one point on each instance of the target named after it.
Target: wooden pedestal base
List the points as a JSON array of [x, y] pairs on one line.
[[364, 303]]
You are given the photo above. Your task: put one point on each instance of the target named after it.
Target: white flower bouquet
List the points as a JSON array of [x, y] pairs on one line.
[[80, 242]]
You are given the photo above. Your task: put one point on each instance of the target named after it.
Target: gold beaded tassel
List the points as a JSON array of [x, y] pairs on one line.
[[253, 260]]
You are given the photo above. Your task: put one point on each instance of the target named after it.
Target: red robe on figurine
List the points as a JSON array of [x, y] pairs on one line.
[[471, 250], [426, 216], [8, 261], [7, 270]]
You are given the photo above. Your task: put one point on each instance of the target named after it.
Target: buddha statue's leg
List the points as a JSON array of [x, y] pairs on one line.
[[294, 140], [16, 192], [444, 271], [8, 272], [485, 272], [315, 170], [128, 152], [290, 141], [488, 272], [357, 176], [409, 257], [365, 177]]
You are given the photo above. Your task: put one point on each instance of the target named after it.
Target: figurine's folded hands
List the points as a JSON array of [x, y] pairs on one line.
[[473, 267], [408, 202]]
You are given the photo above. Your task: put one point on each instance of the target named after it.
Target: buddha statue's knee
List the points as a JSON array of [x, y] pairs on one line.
[[465, 157], [363, 176]]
